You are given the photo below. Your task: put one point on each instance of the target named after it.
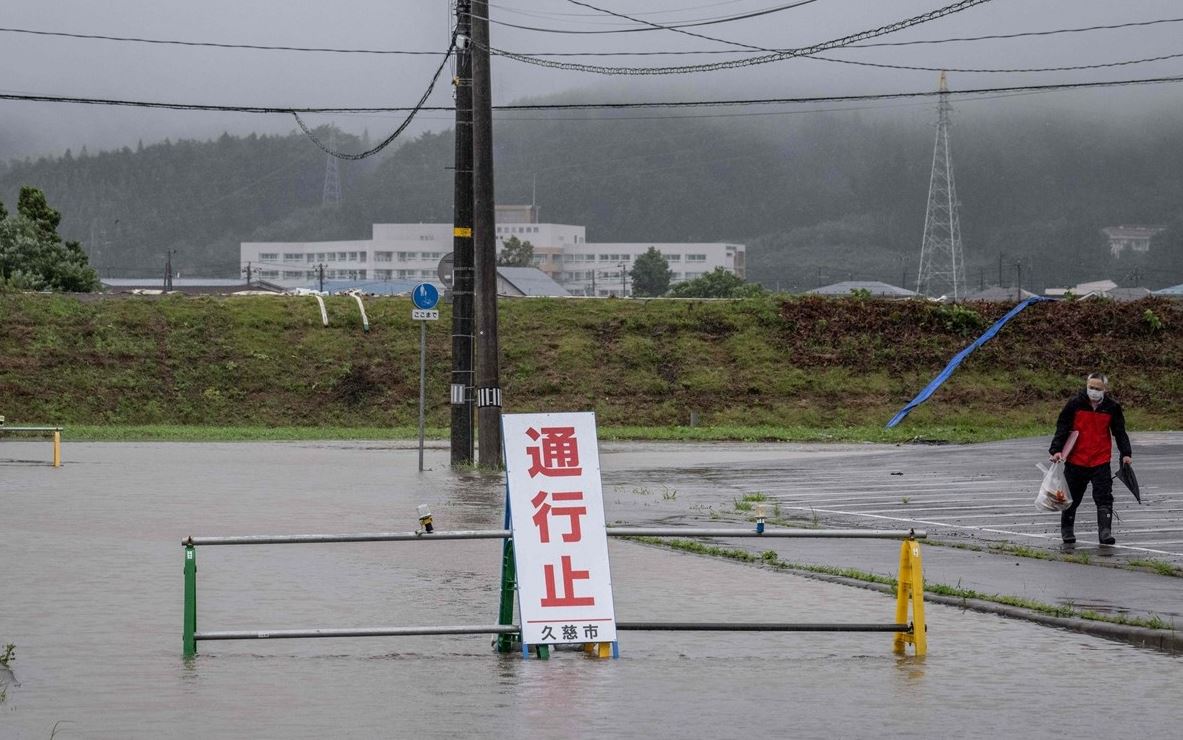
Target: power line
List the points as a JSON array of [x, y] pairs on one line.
[[331, 50], [1052, 87], [650, 26], [1008, 70], [1022, 34], [402, 127], [772, 56], [214, 44]]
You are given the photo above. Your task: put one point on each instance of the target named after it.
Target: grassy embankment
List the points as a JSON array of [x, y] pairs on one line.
[[760, 369]]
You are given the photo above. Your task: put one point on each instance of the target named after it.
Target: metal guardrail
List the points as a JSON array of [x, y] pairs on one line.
[[36, 429], [502, 534], [910, 588]]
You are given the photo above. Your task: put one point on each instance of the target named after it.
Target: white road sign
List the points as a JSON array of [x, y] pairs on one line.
[[560, 546], [422, 314]]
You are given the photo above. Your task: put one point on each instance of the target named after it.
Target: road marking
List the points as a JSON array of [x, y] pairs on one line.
[[974, 529]]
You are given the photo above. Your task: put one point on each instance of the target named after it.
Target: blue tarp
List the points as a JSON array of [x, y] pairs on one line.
[[944, 374]]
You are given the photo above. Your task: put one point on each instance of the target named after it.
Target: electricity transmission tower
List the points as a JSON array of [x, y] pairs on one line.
[[332, 190], [942, 267]]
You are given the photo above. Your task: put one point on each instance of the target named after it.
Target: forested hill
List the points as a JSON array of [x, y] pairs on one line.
[[818, 198]]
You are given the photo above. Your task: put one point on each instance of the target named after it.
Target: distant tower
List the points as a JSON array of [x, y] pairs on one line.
[[331, 197], [942, 267]]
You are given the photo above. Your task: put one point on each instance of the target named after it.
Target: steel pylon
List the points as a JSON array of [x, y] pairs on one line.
[[942, 266]]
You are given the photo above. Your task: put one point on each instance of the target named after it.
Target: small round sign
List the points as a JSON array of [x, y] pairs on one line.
[[425, 296]]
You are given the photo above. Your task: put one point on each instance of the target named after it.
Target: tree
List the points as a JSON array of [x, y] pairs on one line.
[[33, 255], [516, 253], [650, 274], [718, 283]]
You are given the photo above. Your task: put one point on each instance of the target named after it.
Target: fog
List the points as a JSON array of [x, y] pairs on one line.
[[46, 65]]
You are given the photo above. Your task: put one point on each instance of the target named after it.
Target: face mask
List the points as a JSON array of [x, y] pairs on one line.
[[1095, 395]]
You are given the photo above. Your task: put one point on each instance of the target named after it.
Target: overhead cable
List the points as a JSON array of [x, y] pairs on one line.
[[1053, 87], [389, 139], [698, 52], [772, 56], [214, 44], [651, 27], [1007, 70]]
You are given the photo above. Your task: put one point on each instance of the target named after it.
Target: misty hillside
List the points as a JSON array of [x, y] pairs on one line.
[[817, 198]]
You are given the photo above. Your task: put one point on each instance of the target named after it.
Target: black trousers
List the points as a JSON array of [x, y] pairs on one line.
[[1079, 478]]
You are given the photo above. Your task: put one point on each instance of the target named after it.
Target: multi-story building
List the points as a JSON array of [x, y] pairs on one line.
[[413, 252]]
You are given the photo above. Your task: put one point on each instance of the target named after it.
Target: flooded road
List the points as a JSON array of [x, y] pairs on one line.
[[90, 594]]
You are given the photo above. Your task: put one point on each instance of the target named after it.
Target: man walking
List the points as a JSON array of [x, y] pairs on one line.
[[1094, 414]]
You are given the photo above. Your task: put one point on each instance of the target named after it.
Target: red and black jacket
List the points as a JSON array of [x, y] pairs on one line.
[[1092, 447]]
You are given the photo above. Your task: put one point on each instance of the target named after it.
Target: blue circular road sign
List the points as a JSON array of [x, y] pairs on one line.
[[425, 296]]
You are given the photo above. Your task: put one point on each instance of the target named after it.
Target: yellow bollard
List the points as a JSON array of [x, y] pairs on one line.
[[57, 449], [910, 589]]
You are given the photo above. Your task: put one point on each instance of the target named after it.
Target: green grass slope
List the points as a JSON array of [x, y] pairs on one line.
[[765, 368]]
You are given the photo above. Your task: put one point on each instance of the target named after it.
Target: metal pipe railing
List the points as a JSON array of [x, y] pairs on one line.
[[512, 629], [501, 534], [910, 586]]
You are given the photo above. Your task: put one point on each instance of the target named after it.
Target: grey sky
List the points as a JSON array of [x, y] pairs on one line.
[[92, 68]]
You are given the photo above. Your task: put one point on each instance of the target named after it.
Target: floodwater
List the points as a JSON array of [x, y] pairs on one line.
[[91, 587]]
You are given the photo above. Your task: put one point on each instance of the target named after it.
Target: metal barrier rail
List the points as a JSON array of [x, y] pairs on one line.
[[503, 534], [513, 629], [910, 586], [57, 437]]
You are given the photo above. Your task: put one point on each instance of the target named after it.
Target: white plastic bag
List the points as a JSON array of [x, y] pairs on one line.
[[1053, 491]]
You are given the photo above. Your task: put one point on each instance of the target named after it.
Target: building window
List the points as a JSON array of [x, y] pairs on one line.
[[427, 237], [383, 256], [264, 274], [268, 256], [320, 256], [383, 274], [311, 257], [672, 257], [332, 257], [292, 275], [696, 258], [293, 257]]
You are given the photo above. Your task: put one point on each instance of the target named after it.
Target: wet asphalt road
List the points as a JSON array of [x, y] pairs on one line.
[[980, 493]]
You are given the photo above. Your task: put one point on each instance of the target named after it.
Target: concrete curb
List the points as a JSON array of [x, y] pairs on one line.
[[1166, 640]]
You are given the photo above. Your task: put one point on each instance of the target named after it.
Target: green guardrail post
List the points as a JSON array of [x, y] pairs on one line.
[[189, 639], [508, 583]]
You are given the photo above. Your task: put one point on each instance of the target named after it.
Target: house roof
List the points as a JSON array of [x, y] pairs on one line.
[[372, 287], [996, 293], [1127, 294], [1132, 231], [1175, 291], [180, 285], [874, 287], [531, 281]]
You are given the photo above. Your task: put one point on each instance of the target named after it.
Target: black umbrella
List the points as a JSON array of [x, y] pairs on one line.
[[1126, 476]]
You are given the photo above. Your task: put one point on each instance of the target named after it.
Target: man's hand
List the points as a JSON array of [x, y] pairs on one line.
[[1058, 457], [1127, 460]]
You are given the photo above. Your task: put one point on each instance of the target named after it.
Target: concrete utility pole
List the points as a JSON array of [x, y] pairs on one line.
[[623, 288], [484, 243], [168, 269], [248, 274], [462, 251], [320, 269]]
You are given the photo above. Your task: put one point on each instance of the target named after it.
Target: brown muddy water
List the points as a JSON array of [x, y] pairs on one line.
[[90, 594]]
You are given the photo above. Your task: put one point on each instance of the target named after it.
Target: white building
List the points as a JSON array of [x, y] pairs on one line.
[[413, 251]]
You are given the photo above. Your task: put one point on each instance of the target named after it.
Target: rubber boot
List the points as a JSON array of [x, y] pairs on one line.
[[1105, 525], [1067, 520]]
